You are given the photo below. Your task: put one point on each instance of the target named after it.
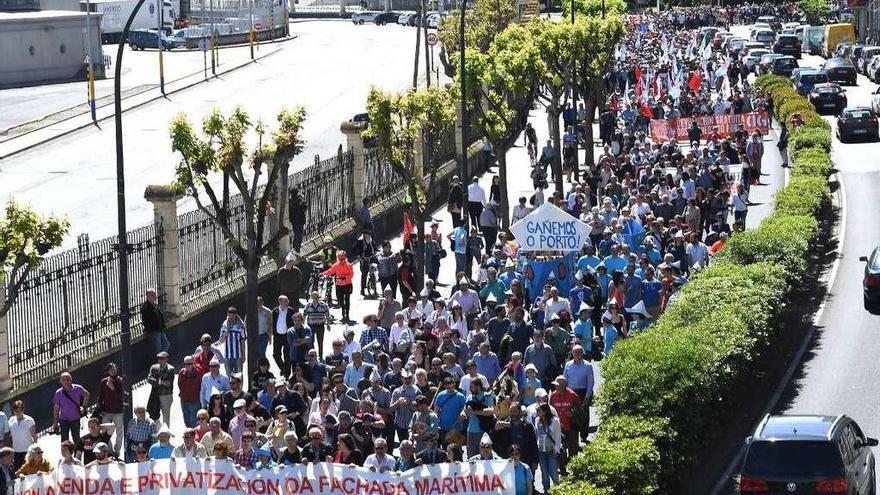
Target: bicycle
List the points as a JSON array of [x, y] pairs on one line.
[[321, 283], [372, 267]]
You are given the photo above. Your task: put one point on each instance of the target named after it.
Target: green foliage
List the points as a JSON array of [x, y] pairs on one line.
[[626, 465], [780, 239], [813, 161], [593, 8], [804, 195], [398, 119], [483, 21], [578, 487], [809, 137], [793, 105], [815, 11]]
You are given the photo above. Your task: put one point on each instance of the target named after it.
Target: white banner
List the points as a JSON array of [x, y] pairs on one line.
[[207, 477], [550, 228]]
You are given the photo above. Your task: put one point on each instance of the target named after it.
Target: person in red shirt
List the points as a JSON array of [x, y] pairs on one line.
[[565, 401], [344, 273], [189, 382], [719, 244], [204, 354]]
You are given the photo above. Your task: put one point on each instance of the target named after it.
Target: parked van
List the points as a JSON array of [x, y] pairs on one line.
[[814, 39], [836, 34]]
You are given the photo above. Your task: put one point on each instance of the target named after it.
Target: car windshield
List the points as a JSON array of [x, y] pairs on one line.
[[828, 90], [792, 460], [787, 40], [786, 62], [814, 78]]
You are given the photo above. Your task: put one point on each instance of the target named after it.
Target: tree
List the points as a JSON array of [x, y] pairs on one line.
[[483, 22], [399, 121], [554, 43], [594, 42], [505, 78], [593, 8], [25, 237], [815, 11], [222, 149]]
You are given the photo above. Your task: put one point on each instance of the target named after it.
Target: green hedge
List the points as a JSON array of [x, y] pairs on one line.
[[666, 387]]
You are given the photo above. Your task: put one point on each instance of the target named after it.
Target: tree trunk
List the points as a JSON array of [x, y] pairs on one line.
[[590, 107], [252, 290], [503, 209], [553, 113], [427, 54], [421, 20]]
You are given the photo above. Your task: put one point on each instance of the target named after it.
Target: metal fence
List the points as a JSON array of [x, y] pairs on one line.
[[327, 188], [380, 178], [68, 308]]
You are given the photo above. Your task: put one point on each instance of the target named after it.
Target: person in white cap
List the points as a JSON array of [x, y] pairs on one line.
[[161, 378], [641, 318], [239, 421], [486, 452], [162, 449], [213, 382]]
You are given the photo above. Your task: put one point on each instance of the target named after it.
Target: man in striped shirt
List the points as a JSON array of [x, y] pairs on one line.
[[232, 331], [317, 313]]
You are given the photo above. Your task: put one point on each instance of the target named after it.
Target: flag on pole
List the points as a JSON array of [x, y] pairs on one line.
[[408, 228], [695, 81], [633, 233]]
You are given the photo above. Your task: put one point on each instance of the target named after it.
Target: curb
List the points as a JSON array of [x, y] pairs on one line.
[[132, 107]]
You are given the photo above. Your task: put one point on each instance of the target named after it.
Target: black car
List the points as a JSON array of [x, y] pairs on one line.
[[808, 454], [783, 65], [828, 98], [787, 44], [387, 18], [871, 281], [857, 122], [805, 79], [841, 70]]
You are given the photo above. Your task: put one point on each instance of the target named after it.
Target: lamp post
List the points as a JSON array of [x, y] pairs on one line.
[[464, 139], [122, 246], [91, 74], [160, 5]]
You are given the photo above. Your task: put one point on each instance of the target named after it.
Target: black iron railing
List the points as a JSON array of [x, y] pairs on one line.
[[327, 188]]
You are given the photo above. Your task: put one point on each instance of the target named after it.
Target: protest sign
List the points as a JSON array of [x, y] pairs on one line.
[[727, 124], [209, 477], [550, 228]]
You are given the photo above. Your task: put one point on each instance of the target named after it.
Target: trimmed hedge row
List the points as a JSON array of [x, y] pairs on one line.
[[665, 388]]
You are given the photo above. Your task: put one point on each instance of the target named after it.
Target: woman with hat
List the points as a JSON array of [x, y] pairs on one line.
[[34, 462], [613, 326]]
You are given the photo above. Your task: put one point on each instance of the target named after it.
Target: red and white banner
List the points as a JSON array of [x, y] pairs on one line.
[[667, 129], [207, 477]]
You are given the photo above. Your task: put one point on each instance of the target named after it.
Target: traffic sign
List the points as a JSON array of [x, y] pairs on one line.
[[258, 26], [432, 39]]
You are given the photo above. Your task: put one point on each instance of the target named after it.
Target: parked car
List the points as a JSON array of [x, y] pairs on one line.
[[841, 70], [433, 20], [787, 44], [871, 279], [873, 70], [842, 50], [765, 66], [865, 57], [139, 39], [857, 122], [406, 19], [806, 79], [828, 98], [179, 38], [386, 18], [719, 38], [364, 17], [808, 454], [771, 21], [783, 65], [766, 36], [754, 58]]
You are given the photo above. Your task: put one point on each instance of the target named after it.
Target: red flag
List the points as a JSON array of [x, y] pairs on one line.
[[408, 228], [695, 81], [646, 110], [638, 76]]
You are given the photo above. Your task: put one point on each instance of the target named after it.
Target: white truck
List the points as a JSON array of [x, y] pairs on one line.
[[116, 12]]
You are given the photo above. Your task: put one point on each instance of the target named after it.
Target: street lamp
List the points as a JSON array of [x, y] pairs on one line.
[[122, 246], [464, 140]]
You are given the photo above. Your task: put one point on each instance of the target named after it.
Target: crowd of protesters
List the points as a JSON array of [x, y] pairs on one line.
[[492, 366]]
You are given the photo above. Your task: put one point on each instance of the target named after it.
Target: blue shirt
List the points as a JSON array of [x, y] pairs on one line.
[[583, 329], [460, 236], [488, 365], [610, 338], [507, 278], [579, 376], [522, 475], [651, 292], [633, 293], [579, 295], [605, 247], [603, 280], [587, 261], [159, 451], [615, 263], [449, 407]]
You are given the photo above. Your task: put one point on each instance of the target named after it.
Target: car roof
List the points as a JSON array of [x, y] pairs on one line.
[[839, 61], [797, 427]]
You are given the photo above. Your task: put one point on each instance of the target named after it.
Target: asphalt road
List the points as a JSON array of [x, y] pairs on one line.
[[838, 372], [329, 69]]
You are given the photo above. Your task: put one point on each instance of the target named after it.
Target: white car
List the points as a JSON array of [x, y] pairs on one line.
[[754, 58], [765, 36], [433, 20], [873, 70], [362, 17], [875, 100]]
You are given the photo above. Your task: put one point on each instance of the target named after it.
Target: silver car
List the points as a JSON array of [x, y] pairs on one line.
[[754, 57], [362, 17]]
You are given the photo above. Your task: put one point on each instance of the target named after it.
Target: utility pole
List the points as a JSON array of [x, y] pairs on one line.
[[91, 69], [214, 42], [574, 95], [251, 9], [160, 5], [464, 136]]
